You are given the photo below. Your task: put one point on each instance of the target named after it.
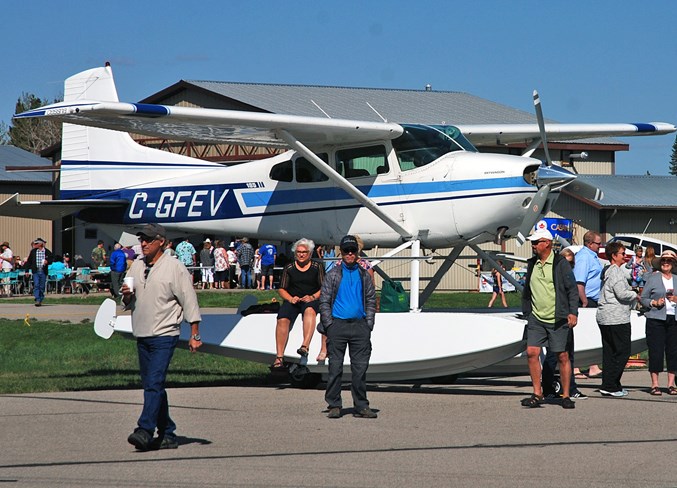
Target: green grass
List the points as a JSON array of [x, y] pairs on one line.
[[53, 356], [209, 299]]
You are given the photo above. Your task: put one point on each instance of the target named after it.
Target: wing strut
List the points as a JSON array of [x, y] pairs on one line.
[[344, 184]]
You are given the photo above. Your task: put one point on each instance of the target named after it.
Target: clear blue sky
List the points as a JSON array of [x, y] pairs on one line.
[[601, 61]]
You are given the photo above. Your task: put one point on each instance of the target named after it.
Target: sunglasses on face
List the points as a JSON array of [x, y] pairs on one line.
[[536, 243], [146, 239], [350, 250]]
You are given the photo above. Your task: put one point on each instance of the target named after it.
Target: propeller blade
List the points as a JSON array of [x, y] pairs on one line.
[[541, 126], [533, 214], [585, 190]]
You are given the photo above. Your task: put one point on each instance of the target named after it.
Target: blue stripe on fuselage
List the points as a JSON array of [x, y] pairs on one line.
[[308, 195]]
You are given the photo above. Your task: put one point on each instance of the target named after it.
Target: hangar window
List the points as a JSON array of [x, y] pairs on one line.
[[306, 172], [362, 161], [282, 172], [420, 145]]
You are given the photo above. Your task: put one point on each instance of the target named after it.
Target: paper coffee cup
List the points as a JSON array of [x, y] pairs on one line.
[[129, 281]]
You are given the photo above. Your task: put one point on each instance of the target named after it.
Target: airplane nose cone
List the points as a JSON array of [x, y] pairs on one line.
[[554, 176]]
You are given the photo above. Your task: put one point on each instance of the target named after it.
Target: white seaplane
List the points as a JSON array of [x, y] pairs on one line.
[[396, 185]]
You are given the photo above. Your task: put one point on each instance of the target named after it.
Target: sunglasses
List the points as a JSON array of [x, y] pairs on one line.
[[597, 243], [350, 250], [302, 252], [536, 243], [147, 239]]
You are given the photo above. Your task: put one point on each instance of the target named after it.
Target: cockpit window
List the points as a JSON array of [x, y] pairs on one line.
[[282, 172], [423, 144], [362, 161], [306, 172]]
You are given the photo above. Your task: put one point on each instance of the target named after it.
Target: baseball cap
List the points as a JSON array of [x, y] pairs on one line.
[[152, 230], [540, 234], [39, 239], [348, 242], [232, 244]]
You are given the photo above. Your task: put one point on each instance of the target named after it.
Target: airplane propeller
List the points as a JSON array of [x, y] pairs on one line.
[[547, 176]]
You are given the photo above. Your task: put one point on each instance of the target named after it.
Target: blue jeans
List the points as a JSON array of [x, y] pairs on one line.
[[245, 277], [155, 354], [39, 284]]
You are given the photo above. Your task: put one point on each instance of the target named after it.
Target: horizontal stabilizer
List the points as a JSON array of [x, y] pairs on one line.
[[52, 209]]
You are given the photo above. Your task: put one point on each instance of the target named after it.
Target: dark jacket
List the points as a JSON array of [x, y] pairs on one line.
[[566, 290], [330, 287], [33, 266]]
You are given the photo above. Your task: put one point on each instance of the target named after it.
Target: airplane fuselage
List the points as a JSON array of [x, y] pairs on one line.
[[458, 196]]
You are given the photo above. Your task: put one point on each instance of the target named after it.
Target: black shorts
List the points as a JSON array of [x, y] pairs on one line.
[[267, 269], [290, 311]]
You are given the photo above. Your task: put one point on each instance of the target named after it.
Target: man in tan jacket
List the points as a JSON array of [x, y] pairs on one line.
[[161, 299]]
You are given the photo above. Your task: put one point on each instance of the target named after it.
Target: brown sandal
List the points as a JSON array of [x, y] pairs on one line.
[[278, 364], [672, 390], [655, 391]]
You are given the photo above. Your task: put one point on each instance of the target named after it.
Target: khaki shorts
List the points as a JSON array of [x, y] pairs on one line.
[[553, 336]]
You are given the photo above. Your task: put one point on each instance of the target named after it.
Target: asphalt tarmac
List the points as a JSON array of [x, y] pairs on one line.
[[473, 432]]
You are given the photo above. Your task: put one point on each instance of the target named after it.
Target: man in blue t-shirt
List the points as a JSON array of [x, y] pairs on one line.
[[347, 312], [118, 267], [268, 254]]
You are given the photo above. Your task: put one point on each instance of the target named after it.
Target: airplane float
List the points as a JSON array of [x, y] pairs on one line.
[[405, 186]]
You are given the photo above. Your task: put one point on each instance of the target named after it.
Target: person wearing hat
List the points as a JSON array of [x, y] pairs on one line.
[[161, 299], [550, 304], [658, 295], [232, 265], [38, 260], [347, 313]]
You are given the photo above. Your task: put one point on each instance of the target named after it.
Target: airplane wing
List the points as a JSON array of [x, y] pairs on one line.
[[52, 209], [214, 125], [493, 134]]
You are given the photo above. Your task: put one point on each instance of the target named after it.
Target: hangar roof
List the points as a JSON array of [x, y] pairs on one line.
[[626, 191], [14, 156], [395, 105]]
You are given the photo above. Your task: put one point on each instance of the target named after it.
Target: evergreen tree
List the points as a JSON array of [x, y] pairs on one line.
[[32, 135], [673, 160]]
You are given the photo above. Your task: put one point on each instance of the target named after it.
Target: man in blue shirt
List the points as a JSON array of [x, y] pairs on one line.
[[588, 271], [347, 312], [268, 253], [118, 266]]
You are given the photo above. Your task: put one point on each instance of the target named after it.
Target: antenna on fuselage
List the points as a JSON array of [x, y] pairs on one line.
[[320, 108], [376, 112]]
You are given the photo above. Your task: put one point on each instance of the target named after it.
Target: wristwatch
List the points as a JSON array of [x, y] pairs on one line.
[[196, 337]]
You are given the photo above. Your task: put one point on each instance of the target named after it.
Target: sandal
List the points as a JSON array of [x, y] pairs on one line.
[[534, 401], [322, 356], [302, 351], [655, 391], [672, 390], [278, 364]]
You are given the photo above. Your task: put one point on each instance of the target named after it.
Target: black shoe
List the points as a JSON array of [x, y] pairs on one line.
[[140, 439], [365, 413], [334, 413], [164, 443], [302, 351], [568, 403], [37, 303]]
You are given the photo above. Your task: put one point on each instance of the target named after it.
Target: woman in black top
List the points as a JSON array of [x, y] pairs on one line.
[[300, 289]]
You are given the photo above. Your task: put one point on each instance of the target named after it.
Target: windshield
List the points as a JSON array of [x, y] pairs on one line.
[[423, 144]]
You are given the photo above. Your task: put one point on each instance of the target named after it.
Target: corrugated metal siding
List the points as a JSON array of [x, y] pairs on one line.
[[21, 232]]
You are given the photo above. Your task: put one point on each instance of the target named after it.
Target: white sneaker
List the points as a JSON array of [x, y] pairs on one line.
[[618, 394]]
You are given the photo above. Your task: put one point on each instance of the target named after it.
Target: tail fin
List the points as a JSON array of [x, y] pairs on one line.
[[95, 160]]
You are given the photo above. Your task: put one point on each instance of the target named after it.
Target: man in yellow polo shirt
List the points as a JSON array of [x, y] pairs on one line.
[[550, 304]]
